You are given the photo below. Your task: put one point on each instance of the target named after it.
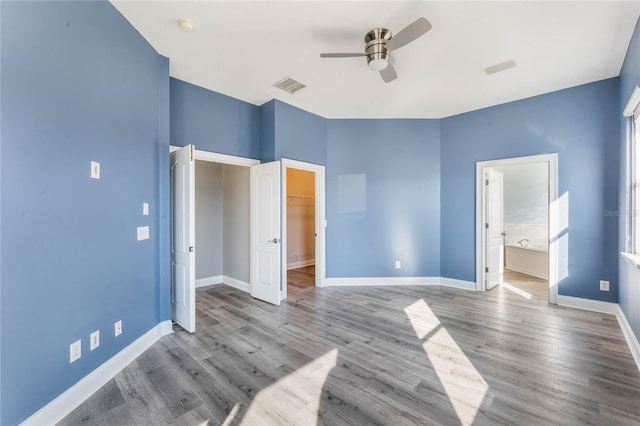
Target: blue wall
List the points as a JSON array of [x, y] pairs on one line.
[[81, 84], [383, 193], [213, 122], [268, 132], [629, 290], [299, 135], [581, 125]]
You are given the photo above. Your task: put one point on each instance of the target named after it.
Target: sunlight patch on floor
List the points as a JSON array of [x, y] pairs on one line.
[[295, 398], [464, 386], [515, 290], [230, 417]]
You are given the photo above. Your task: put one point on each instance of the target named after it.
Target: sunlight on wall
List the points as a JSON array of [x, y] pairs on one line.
[[464, 386], [294, 398], [559, 240], [352, 193], [402, 243]]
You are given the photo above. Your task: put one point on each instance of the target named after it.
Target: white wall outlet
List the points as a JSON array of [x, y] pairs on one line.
[[75, 351], [397, 264], [145, 209], [117, 328], [95, 170], [94, 340], [143, 233], [604, 285]]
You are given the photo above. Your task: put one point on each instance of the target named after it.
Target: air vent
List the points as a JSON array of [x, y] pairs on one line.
[[290, 85], [500, 67]]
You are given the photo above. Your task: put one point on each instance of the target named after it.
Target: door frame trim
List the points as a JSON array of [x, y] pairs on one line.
[[214, 157], [553, 212], [320, 217]]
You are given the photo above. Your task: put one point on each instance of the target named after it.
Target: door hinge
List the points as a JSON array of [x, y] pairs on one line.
[[486, 225], [191, 152], [486, 269], [190, 249]]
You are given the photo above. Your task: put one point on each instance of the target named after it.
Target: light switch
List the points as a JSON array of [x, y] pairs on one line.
[[143, 233], [95, 170], [145, 209]]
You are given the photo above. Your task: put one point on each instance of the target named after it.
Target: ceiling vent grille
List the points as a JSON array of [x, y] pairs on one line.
[[289, 85], [502, 66]]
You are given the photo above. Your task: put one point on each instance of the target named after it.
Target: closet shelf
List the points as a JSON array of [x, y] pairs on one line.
[[306, 197]]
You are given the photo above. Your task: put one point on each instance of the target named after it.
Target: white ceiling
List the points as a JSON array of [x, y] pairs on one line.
[[242, 48]]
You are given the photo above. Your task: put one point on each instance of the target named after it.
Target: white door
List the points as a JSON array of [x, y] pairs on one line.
[[494, 227], [183, 275], [265, 232]]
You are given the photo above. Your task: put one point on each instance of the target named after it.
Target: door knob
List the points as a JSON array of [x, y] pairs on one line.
[[274, 241]]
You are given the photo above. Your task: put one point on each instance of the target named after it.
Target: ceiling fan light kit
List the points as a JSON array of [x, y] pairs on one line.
[[379, 43], [376, 48]]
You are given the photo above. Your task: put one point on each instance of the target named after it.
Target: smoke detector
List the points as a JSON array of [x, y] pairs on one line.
[[185, 25]]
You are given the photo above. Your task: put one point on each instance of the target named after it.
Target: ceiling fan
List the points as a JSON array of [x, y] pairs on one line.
[[380, 43]]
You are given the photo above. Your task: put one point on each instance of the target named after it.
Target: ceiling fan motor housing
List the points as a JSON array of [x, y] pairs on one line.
[[376, 49]]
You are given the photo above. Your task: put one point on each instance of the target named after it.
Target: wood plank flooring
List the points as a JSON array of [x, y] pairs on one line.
[[381, 356], [534, 286]]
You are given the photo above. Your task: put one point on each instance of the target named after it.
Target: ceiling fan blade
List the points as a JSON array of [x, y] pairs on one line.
[[409, 33], [341, 55], [389, 73]]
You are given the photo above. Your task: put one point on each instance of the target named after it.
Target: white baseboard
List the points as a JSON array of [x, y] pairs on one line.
[[235, 283], [461, 284], [69, 400], [606, 308], [300, 264], [203, 282], [588, 304], [383, 281], [629, 335]]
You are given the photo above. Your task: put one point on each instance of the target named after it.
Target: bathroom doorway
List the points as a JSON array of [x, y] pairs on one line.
[[514, 214], [525, 230]]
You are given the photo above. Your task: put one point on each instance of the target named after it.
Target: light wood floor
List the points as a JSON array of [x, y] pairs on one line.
[[378, 355], [533, 286]]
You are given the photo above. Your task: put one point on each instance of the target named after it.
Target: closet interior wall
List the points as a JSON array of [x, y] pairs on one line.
[[222, 221], [300, 218]]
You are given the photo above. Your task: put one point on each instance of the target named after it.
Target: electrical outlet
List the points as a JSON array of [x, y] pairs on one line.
[[95, 170], [143, 233], [75, 351], [604, 285], [94, 340], [145, 209], [117, 328], [397, 264]]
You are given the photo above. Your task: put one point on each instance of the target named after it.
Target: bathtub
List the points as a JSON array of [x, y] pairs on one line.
[[532, 259]]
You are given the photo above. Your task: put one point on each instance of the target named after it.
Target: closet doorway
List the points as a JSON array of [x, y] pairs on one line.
[[206, 249], [303, 225]]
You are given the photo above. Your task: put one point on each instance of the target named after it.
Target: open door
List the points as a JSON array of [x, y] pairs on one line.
[[265, 232], [494, 228], [183, 275]]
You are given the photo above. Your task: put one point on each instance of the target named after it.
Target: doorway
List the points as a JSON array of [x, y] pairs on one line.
[[221, 224], [267, 229], [515, 219], [183, 225], [303, 225]]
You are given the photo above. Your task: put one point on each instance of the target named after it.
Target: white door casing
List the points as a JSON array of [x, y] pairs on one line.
[[183, 286], [265, 232], [495, 229], [320, 221]]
